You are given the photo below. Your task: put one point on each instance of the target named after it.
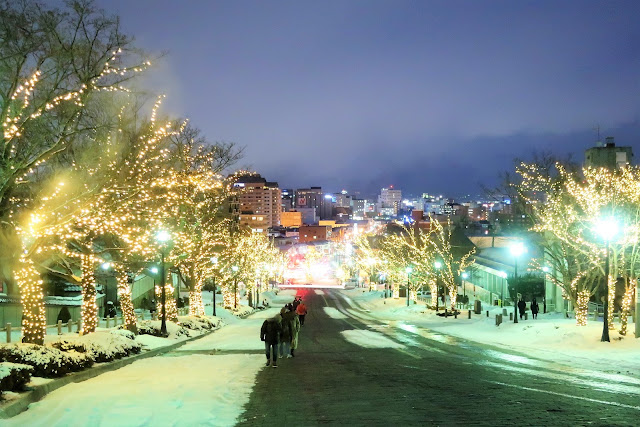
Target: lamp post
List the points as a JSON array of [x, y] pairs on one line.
[[438, 266], [516, 250], [214, 261], [408, 270], [235, 286], [465, 276], [162, 237], [607, 229], [546, 270]]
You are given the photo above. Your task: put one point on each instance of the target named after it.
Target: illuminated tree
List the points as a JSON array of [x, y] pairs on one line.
[[567, 208]]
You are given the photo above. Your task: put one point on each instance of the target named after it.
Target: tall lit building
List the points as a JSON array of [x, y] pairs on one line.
[[259, 204], [390, 198]]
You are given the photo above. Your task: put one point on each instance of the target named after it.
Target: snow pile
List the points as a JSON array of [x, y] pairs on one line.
[[334, 313], [369, 339]]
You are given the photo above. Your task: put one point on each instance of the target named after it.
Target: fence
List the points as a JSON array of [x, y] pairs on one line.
[[71, 326]]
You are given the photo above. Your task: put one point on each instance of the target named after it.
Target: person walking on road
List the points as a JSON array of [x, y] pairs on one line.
[[285, 332], [534, 309], [302, 312], [270, 333], [522, 306], [294, 325], [296, 303]]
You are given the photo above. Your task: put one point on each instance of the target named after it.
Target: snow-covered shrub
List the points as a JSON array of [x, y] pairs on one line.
[[101, 346], [152, 327], [199, 323], [14, 376], [46, 361]]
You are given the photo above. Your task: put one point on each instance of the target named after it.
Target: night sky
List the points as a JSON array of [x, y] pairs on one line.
[[428, 96]]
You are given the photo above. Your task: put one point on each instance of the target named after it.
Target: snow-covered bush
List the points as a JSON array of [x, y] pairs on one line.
[[101, 346], [199, 323], [14, 376], [152, 327], [46, 361]]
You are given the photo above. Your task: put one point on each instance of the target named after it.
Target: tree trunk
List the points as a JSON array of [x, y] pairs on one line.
[[34, 320], [196, 306], [126, 305], [582, 307], [89, 310], [627, 300]]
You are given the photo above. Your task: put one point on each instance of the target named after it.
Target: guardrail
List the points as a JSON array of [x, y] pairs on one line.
[[75, 326]]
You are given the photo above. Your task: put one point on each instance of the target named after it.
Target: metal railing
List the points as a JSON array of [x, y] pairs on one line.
[[75, 326]]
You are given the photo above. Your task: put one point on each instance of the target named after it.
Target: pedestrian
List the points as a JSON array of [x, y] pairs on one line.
[[302, 312], [522, 306], [296, 303], [286, 336], [294, 332], [270, 333], [534, 309], [111, 309]]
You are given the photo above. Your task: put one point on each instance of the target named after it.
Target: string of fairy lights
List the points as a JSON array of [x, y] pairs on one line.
[[415, 256], [568, 207]]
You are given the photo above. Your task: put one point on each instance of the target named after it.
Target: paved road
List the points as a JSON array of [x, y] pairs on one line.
[[432, 379]]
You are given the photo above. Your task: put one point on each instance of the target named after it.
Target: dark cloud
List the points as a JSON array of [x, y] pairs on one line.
[[430, 96]]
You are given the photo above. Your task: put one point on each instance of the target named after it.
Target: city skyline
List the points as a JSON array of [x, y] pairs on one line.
[[361, 95]]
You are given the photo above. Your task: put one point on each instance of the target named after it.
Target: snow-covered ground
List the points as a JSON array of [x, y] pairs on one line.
[[188, 386], [550, 337], [207, 381]]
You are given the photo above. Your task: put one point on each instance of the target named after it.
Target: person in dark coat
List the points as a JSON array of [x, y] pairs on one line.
[[111, 309], [296, 302], [270, 334], [286, 334], [534, 309], [522, 306]]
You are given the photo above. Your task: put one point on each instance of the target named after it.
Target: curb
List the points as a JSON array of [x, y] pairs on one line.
[[36, 393]]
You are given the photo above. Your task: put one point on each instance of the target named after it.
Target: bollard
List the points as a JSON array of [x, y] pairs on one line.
[[79, 325], [469, 313], [455, 314], [108, 322], [59, 327], [497, 320], [504, 311], [8, 326], [511, 317], [445, 313], [487, 313], [69, 325]]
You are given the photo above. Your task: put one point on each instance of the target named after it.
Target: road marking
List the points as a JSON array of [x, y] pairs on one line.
[[555, 393]]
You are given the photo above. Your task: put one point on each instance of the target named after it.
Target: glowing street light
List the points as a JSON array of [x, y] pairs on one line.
[[516, 250], [607, 228]]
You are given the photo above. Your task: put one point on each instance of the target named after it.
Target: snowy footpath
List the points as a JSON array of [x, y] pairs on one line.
[[204, 382]]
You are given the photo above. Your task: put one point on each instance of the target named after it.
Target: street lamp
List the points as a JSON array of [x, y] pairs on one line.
[[163, 237], [235, 286], [546, 271], [438, 266], [465, 276], [408, 270], [214, 261], [607, 228], [516, 250]]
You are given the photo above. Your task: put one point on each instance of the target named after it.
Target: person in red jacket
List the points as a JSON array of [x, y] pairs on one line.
[[301, 310]]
